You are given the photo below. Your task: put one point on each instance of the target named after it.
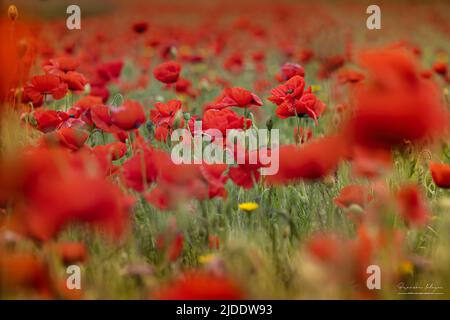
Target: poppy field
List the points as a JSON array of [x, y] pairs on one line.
[[347, 199]]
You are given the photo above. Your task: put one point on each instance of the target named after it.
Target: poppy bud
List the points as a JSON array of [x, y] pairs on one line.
[[150, 127], [329, 180], [355, 208], [32, 120], [12, 12], [186, 116], [177, 119], [269, 124]]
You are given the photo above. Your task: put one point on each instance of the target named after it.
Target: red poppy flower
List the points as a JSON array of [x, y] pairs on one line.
[[177, 183], [61, 65], [108, 153], [71, 138], [169, 195], [114, 150], [140, 27], [49, 120], [213, 242], [16, 50], [159, 198], [87, 102], [306, 105], [200, 286], [289, 91], [43, 86], [325, 248], [245, 176], [289, 70], [165, 112], [128, 116], [305, 55], [222, 120], [84, 104], [329, 65], [164, 116], [350, 76], [371, 162], [441, 174], [100, 116], [100, 91], [238, 97], [247, 173], [412, 205], [176, 247], [167, 72], [25, 271], [74, 80], [353, 194], [313, 160], [234, 62], [396, 104], [216, 178], [110, 70], [349, 258], [258, 56], [140, 170], [184, 86], [440, 68], [71, 252], [162, 132], [57, 188]]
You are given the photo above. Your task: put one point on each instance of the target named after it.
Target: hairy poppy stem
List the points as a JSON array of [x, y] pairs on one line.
[[205, 216], [245, 117]]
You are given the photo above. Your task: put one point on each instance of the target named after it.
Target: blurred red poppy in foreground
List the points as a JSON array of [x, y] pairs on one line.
[[396, 103], [353, 194], [313, 160], [17, 54], [71, 252], [200, 286], [25, 271], [412, 205], [53, 188], [441, 174]]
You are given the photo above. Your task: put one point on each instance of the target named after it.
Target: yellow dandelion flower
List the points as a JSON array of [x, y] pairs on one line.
[[316, 88], [207, 258], [248, 206], [407, 268]]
